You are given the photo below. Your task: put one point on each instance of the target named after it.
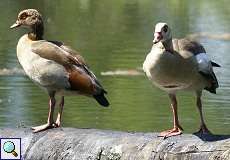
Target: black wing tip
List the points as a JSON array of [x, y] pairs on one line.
[[215, 64], [213, 82], [211, 90], [101, 99]]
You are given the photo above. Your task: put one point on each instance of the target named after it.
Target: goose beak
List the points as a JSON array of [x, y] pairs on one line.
[[15, 25], [155, 41], [157, 37]]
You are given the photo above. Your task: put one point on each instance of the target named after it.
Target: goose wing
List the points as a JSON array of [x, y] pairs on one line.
[[205, 65], [80, 76]]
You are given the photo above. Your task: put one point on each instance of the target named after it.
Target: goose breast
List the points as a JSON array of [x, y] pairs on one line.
[[46, 73]]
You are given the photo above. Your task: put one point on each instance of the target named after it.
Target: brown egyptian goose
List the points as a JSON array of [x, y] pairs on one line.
[[54, 66], [179, 64]]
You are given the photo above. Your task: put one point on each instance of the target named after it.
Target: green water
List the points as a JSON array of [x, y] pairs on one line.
[[111, 35]]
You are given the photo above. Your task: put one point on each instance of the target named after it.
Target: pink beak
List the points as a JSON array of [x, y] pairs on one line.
[[157, 37]]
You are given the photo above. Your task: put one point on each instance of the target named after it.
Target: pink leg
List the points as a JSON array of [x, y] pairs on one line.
[[177, 129], [59, 116], [203, 128], [50, 120]]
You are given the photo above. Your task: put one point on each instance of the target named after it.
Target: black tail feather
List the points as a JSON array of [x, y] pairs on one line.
[[211, 89], [101, 99], [215, 64], [211, 77]]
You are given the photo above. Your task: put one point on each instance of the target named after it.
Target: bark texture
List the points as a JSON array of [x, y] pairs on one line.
[[93, 144]]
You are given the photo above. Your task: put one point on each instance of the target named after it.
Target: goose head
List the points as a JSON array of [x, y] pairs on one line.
[[28, 18], [32, 19], [162, 33]]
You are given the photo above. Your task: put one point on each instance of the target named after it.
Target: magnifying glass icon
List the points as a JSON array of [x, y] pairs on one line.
[[9, 147]]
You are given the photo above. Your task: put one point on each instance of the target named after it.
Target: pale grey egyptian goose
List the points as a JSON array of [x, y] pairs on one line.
[[179, 64], [54, 66]]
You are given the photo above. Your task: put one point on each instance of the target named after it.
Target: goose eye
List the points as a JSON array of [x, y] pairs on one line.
[[23, 16], [165, 29]]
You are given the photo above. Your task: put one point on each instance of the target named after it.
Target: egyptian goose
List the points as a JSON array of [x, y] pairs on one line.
[[179, 64], [54, 66]]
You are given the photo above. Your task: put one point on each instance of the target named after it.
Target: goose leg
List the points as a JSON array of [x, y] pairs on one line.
[[177, 129], [50, 120], [59, 116], [203, 128]]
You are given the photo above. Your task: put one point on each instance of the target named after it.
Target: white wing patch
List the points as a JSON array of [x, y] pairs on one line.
[[204, 62]]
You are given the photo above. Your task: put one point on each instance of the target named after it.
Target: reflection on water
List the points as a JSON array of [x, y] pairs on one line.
[[117, 35]]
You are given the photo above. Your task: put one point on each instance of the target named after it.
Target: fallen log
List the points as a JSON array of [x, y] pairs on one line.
[[94, 144]]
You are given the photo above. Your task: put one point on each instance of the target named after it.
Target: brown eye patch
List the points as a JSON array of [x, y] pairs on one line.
[[165, 28], [23, 16]]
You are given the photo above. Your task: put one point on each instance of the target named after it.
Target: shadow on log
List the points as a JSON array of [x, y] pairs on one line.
[[93, 144]]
